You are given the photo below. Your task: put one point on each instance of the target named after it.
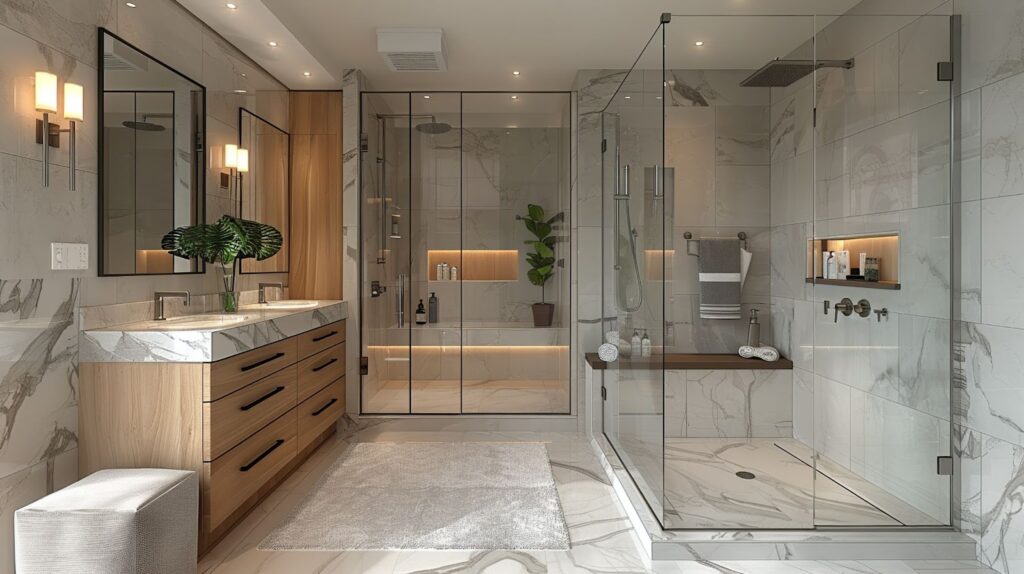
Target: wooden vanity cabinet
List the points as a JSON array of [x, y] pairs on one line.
[[242, 423]]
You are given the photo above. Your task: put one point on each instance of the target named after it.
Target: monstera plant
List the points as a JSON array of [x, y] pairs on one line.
[[542, 259], [225, 243]]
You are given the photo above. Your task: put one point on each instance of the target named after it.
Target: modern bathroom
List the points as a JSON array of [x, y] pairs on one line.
[[701, 286]]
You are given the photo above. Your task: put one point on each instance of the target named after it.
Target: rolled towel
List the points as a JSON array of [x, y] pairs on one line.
[[765, 353], [608, 352]]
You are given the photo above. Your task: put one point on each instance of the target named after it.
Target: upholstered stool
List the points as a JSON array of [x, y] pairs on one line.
[[123, 521]]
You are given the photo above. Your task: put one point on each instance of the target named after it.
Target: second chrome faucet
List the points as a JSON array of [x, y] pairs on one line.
[[158, 302]]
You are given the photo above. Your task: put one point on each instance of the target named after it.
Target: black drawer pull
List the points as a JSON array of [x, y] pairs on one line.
[[325, 365], [322, 337], [263, 398], [275, 357], [265, 454], [317, 412]]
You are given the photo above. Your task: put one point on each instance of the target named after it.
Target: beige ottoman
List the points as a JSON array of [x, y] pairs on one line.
[[122, 521]]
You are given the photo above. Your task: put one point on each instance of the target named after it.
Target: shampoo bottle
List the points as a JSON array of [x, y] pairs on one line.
[[432, 308], [445, 272], [421, 314], [454, 273], [634, 344], [440, 272], [645, 345]]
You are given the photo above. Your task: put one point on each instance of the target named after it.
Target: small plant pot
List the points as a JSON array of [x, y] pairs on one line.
[[542, 314]]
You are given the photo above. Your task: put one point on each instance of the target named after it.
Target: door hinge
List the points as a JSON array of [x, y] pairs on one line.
[[944, 72], [364, 365], [604, 146], [944, 465], [604, 393], [814, 117], [364, 143]]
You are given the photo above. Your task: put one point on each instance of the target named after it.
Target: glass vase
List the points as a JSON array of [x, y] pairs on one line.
[[229, 296]]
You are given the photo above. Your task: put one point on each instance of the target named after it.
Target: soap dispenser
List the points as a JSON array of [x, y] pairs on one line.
[[635, 348], [421, 314], [645, 345], [432, 308], [753, 330]]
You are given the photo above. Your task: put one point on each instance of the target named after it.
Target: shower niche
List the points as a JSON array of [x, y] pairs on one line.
[[444, 177]]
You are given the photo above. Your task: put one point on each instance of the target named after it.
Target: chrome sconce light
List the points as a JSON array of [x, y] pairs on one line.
[[47, 134]]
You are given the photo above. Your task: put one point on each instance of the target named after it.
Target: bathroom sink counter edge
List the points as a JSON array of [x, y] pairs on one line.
[[171, 342]]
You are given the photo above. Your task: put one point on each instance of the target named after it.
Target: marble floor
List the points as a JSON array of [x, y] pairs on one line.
[[601, 535], [493, 396]]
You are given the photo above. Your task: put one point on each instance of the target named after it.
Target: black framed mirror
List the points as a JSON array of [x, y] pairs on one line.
[[152, 167], [265, 190]]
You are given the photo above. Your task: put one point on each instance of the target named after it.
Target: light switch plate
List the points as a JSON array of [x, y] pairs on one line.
[[69, 256]]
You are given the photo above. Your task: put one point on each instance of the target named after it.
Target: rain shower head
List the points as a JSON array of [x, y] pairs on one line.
[[433, 128], [781, 73], [143, 126]]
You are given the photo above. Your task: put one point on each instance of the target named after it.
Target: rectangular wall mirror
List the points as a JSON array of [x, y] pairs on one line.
[[265, 195], [152, 168]]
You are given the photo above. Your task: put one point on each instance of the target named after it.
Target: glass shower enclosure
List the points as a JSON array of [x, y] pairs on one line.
[[824, 148], [447, 288]]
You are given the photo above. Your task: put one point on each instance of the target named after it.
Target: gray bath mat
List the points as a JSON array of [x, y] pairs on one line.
[[433, 496]]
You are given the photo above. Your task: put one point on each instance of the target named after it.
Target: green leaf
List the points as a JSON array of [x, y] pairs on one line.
[[541, 230], [543, 249], [228, 239], [536, 212]]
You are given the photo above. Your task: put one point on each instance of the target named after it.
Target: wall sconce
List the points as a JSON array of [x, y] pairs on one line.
[[237, 160], [47, 134]]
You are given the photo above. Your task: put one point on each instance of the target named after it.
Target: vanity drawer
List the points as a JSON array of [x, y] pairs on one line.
[[233, 373], [231, 419], [320, 412], [237, 475], [317, 340], [318, 371]]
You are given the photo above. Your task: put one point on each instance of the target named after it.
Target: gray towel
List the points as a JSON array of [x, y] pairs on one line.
[[719, 269]]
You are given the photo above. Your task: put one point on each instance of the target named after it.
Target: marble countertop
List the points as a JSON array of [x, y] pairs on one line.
[[204, 338]]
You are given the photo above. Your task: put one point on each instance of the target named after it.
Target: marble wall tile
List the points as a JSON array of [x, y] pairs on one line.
[[70, 25], [740, 403], [703, 88], [1002, 528], [991, 40], [968, 253], [967, 450], [791, 125], [924, 377], [675, 403], [26, 486], [789, 260], [1002, 138], [741, 135], [922, 44], [994, 401], [858, 352], [925, 261], [792, 183], [832, 420], [690, 150], [742, 196], [803, 406], [167, 32], [970, 146], [1002, 267]]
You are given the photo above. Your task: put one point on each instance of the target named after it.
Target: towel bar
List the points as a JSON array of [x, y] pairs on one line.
[[742, 236]]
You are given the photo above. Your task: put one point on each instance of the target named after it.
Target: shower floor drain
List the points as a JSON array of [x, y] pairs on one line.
[[746, 475]]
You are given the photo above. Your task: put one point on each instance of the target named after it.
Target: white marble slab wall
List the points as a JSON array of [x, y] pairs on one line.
[[871, 394], [729, 404], [989, 423], [352, 85], [39, 308]]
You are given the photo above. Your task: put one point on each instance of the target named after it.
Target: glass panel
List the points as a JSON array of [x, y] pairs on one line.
[[386, 256], [634, 212], [515, 153], [436, 238], [881, 153]]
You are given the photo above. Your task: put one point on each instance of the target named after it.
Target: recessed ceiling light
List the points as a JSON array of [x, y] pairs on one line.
[[699, 43], [243, 75], [239, 91], [130, 4], [272, 44], [232, 6], [307, 74], [628, 97], [515, 72], [426, 97], [515, 97]]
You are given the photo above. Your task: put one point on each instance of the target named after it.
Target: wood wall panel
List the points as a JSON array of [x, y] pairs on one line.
[[317, 235]]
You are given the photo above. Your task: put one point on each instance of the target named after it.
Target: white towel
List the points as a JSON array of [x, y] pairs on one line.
[[745, 257]]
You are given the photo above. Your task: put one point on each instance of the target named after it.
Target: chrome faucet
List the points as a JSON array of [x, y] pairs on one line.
[[158, 302], [263, 290]]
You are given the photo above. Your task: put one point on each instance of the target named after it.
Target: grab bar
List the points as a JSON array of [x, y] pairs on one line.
[[401, 300]]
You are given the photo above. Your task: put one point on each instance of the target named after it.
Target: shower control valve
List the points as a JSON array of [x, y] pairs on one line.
[[376, 289]]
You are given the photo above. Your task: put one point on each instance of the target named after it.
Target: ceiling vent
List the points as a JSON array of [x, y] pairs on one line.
[[413, 49], [119, 56]]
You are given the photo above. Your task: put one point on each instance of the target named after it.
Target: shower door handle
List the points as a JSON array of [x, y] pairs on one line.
[[400, 300]]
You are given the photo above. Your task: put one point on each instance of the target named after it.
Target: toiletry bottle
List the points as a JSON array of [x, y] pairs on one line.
[[432, 308], [440, 273], [831, 272], [454, 273], [421, 314], [753, 330], [824, 263], [645, 345], [635, 349], [445, 272]]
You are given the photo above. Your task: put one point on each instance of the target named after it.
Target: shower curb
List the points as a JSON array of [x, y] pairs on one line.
[[822, 544]]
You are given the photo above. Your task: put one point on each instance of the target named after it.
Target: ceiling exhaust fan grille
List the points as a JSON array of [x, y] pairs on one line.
[[413, 49], [413, 62]]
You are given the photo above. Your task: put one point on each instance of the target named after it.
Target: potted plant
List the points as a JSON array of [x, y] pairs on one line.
[[541, 259], [225, 243]]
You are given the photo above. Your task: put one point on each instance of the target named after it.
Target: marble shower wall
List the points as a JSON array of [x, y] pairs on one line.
[[988, 396], [871, 395], [39, 308]]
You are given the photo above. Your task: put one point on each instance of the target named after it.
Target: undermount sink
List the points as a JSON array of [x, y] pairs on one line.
[[284, 304], [212, 321]]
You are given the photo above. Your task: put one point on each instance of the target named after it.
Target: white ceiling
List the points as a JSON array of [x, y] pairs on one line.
[[547, 40]]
